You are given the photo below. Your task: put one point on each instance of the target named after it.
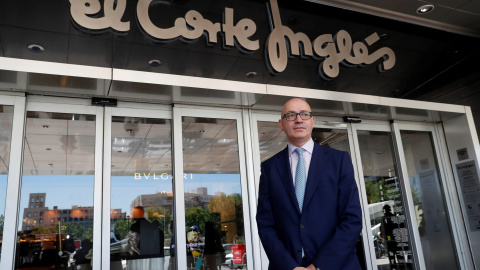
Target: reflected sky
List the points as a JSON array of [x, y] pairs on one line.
[[3, 193], [67, 190]]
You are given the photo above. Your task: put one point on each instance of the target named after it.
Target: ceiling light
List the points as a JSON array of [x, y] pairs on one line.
[[36, 48], [251, 74], [202, 131], [49, 149], [45, 126], [154, 62], [425, 9]]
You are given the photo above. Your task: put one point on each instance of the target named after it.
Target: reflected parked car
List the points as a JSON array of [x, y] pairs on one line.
[[228, 253]]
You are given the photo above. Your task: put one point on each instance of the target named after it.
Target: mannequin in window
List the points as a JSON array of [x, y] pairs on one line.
[[150, 244]]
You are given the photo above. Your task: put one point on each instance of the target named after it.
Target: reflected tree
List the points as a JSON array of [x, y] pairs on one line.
[[162, 215], [196, 217]]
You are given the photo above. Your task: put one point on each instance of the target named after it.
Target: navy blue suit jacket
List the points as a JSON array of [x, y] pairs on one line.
[[331, 220]]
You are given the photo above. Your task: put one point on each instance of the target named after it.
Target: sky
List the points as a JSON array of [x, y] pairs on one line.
[[67, 190]]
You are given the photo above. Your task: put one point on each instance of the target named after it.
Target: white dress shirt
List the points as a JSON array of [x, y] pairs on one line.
[[293, 157]]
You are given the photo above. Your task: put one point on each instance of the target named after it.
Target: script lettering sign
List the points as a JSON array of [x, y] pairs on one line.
[[282, 41]]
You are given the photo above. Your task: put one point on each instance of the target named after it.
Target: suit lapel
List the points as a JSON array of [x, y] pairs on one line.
[[285, 172], [315, 172]]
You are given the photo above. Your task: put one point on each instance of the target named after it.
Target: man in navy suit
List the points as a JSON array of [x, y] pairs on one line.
[[309, 214]]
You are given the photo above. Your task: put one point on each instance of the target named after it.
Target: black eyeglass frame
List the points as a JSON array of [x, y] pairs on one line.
[[310, 114]]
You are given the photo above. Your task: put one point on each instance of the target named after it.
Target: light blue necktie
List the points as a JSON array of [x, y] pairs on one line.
[[300, 178], [300, 181]]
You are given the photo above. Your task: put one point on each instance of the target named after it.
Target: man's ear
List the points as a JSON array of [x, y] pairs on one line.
[[280, 123]]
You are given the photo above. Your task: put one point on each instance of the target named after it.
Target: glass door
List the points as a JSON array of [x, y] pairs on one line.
[[418, 147], [58, 222], [214, 231], [138, 208], [384, 199], [11, 108]]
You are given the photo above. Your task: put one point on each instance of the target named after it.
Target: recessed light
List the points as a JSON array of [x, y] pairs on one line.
[[49, 149], [251, 74], [154, 62], [129, 130], [202, 131], [36, 48], [425, 9], [51, 164], [45, 126]]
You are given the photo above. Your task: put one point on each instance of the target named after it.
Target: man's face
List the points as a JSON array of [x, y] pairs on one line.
[[298, 131]]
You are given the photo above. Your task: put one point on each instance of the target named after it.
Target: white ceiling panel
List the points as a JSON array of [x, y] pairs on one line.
[[41, 126], [81, 128]]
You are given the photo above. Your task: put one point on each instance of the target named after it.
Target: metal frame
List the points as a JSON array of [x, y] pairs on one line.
[[178, 113], [463, 250], [158, 111], [66, 105], [407, 195], [12, 201], [44, 67], [366, 232], [450, 199]]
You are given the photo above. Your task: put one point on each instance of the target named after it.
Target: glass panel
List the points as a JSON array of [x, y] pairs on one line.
[[390, 232], [213, 196], [56, 199], [6, 120], [272, 139], [428, 198], [141, 214]]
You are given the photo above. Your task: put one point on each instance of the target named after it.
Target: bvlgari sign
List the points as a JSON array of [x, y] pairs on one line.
[[282, 42]]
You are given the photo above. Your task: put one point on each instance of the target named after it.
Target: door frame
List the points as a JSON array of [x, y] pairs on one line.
[[449, 193], [12, 197], [180, 111], [126, 109]]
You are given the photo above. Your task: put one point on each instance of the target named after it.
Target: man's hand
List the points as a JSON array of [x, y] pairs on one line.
[[311, 267], [300, 268]]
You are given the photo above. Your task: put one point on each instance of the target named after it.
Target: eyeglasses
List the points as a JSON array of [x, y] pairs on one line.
[[293, 116]]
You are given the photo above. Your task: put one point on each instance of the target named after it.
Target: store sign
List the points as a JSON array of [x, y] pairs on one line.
[[282, 42]]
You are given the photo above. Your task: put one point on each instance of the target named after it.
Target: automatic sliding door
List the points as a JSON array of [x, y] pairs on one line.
[[56, 213], [141, 209], [428, 198], [390, 232], [6, 123], [213, 179]]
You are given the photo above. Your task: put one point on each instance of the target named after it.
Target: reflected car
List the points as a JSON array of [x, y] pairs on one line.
[[228, 253], [228, 259]]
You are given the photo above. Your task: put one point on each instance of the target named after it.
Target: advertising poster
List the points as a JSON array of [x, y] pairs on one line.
[[470, 186]]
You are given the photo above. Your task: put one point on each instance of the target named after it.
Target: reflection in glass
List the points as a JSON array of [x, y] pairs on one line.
[[213, 198], [432, 218], [389, 229], [6, 120], [141, 214], [56, 201], [272, 139]]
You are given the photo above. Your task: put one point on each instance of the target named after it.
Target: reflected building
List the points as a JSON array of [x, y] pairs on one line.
[[37, 214], [195, 198]]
